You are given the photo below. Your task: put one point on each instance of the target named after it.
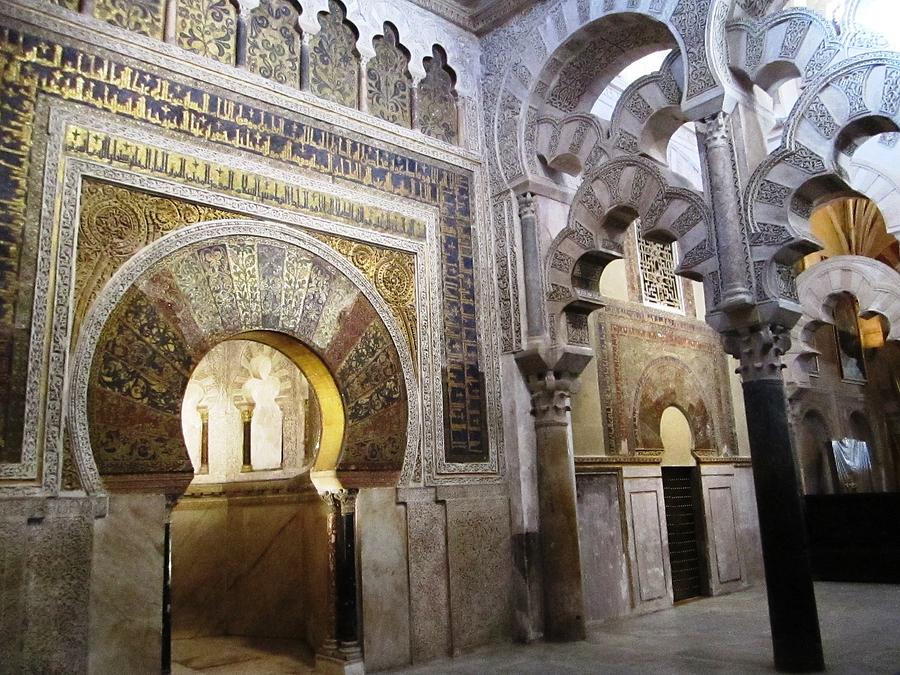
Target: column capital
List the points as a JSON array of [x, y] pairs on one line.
[[526, 204], [759, 351], [551, 398], [715, 128]]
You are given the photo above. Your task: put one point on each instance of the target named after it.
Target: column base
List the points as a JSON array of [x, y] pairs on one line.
[[337, 664]]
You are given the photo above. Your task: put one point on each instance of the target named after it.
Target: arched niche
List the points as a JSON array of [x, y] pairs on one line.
[[666, 382], [677, 438], [194, 288], [815, 457]]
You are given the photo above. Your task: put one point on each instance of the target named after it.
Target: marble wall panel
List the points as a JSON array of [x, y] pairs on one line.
[[604, 564], [56, 586], [13, 530], [748, 524], [313, 589], [126, 585], [479, 555], [429, 594], [723, 547], [648, 544], [199, 567], [382, 541], [265, 544]]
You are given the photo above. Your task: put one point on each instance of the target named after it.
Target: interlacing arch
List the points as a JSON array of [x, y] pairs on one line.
[[566, 61], [608, 201], [848, 103]]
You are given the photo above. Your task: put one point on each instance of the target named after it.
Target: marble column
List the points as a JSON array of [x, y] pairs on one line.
[[204, 439], [414, 104], [796, 642], [531, 263], [246, 447], [340, 652], [304, 62], [560, 552], [724, 191], [169, 34], [364, 84], [241, 33]]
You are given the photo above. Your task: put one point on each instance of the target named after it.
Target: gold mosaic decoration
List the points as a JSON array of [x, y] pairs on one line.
[[68, 4], [140, 16], [436, 110], [117, 221], [389, 82], [273, 42], [207, 28], [334, 62], [191, 170]]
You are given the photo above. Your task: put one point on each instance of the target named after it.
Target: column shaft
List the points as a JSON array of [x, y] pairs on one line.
[[796, 642], [531, 262], [560, 553]]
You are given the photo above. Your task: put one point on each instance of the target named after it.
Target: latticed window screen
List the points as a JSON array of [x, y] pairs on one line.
[[659, 285]]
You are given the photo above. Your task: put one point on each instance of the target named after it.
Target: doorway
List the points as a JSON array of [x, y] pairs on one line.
[[683, 506]]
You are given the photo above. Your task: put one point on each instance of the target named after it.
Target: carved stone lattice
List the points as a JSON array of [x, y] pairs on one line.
[[207, 27], [436, 113], [273, 43], [657, 268], [389, 88], [334, 61]]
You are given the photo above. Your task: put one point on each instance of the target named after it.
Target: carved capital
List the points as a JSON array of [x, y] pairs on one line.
[[759, 352], [551, 398], [341, 502], [715, 129], [526, 205]]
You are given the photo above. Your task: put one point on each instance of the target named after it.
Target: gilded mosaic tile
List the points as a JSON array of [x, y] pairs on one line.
[[207, 28], [29, 65], [334, 62], [389, 84]]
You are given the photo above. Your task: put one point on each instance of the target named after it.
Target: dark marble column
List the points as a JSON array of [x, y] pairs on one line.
[[340, 652], [347, 626], [560, 552], [204, 439], [796, 642], [246, 449], [166, 641]]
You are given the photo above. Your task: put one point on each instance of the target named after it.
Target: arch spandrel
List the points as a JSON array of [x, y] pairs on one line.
[[196, 287]]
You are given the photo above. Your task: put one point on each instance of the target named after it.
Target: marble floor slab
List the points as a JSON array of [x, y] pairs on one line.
[[860, 625], [233, 655]]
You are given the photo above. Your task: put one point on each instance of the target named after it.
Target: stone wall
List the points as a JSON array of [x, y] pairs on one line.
[[435, 571]]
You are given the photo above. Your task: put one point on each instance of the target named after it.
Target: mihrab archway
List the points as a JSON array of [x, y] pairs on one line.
[[199, 286]]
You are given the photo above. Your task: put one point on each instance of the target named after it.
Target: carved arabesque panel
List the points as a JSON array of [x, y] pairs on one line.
[[273, 48], [436, 112], [657, 268], [334, 61], [207, 27], [141, 16], [389, 82]]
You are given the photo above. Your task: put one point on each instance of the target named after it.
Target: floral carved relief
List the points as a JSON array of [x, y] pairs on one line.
[[207, 27], [436, 111], [273, 42], [334, 61], [389, 82]]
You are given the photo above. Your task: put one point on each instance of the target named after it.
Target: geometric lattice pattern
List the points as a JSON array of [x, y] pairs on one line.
[[657, 266]]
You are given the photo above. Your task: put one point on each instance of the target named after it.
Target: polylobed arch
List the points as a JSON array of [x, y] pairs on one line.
[[209, 282], [609, 200], [667, 382], [851, 101], [875, 286], [554, 51], [778, 47]]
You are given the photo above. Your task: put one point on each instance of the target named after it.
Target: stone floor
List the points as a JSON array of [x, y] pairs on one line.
[[860, 626], [729, 634], [240, 655]]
